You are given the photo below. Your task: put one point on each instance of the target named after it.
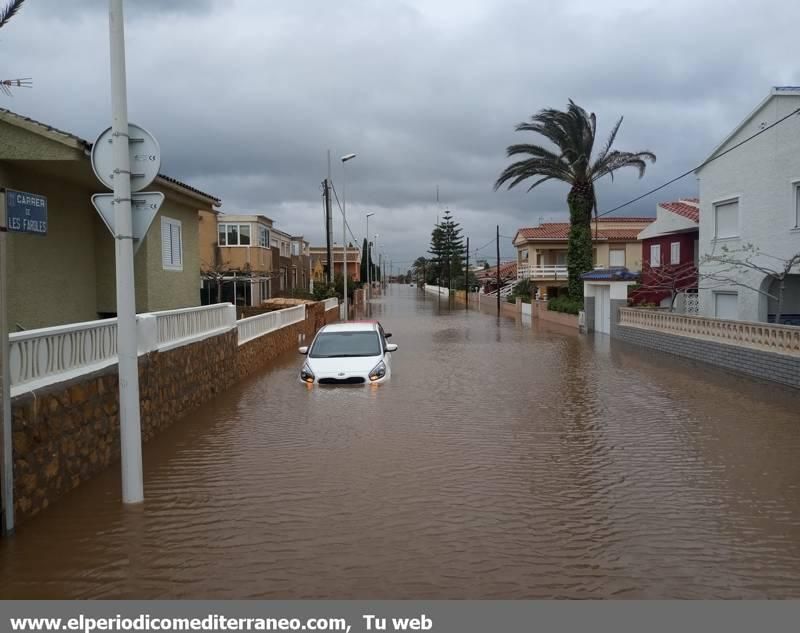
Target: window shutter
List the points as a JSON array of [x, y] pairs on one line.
[[171, 244], [616, 258], [655, 255], [675, 253], [726, 217], [166, 244]]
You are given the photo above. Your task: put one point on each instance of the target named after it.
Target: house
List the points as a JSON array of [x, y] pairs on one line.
[[751, 195], [67, 275], [236, 258], [245, 260], [670, 252], [319, 254], [542, 250], [487, 277]]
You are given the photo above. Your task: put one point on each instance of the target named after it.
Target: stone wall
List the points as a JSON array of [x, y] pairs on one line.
[[778, 368], [66, 434]]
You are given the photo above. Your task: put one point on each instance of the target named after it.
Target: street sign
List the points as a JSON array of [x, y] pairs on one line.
[[145, 156], [144, 207], [26, 212]]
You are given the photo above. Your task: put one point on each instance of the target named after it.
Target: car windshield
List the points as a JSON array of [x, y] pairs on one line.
[[345, 344]]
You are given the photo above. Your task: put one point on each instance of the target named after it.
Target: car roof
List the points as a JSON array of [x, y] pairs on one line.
[[351, 326]]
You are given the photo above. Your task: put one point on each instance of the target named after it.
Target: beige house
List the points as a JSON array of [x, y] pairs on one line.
[[68, 275], [319, 255], [542, 250], [244, 259]]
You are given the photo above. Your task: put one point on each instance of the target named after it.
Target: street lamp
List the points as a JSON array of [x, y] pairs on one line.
[[344, 159], [369, 271]]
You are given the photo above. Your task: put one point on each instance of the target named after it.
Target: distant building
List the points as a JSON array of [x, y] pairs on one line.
[[319, 257], [68, 275], [542, 250]]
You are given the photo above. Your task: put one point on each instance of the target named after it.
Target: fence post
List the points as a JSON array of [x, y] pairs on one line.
[[147, 333]]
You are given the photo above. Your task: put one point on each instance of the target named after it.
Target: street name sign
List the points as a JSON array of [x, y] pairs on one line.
[[145, 157], [144, 207], [26, 212]]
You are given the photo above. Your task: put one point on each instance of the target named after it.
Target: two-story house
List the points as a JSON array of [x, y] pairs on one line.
[[670, 248], [236, 260], [751, 195], [319, 259], [542, 250], [67, 275], [301, 263]]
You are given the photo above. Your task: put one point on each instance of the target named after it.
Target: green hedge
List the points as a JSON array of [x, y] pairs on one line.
[[565, 304]]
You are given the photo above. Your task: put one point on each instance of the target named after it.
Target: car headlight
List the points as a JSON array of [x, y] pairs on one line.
[[378, 372], [306, 375]]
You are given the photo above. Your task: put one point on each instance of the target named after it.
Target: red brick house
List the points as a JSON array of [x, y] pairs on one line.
[[669, 252]]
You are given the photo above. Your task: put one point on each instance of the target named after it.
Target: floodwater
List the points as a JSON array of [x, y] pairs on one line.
[[501, 461]]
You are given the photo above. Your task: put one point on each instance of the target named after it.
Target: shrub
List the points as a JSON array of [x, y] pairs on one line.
[[565, 304]]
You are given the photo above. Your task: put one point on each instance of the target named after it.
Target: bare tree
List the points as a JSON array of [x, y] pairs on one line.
[[671, 278], [215, 273], [730, 263]]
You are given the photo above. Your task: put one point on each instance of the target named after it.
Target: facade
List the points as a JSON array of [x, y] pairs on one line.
[[542, 250], [670, 247], [68, 275], [301, 264], [236, 260], [752, 196], [319, 254]]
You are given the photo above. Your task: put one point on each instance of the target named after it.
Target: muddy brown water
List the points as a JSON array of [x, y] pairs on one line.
[[501, 461]]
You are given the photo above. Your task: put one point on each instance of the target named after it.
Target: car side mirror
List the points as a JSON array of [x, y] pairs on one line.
[[303, 350], [391, 347], [388, 335]]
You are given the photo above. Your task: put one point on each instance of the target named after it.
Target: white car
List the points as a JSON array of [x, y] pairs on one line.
[[351, 353]]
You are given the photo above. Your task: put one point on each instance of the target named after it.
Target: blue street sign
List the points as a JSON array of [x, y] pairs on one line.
[[26, 212]]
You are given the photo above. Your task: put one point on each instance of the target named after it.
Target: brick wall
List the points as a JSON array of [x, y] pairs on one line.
[[68, 433], [741, 360]]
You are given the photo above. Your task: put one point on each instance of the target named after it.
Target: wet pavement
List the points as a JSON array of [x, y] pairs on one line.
[[501, 461]]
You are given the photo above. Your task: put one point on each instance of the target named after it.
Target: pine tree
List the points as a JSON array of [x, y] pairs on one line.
[[447, 250]]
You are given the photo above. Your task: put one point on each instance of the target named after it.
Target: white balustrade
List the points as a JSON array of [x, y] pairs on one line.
[[331, 303], [49, 355], [782, 339], [553, 273], [261, 324]]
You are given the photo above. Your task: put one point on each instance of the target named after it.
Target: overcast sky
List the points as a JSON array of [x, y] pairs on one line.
[[246, 96]]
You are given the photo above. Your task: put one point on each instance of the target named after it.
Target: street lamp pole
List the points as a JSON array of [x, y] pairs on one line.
[[344, 159], [369, 267]]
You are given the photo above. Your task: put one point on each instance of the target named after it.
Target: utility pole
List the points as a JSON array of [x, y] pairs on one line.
[[498, 270], [466, 278], [130, 423], [329, 220], [7, 455]]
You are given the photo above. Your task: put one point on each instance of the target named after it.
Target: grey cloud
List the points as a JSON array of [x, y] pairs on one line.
[[246, 97]]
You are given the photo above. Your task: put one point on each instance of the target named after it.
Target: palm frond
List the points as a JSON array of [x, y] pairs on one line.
[[9, 11], [524, 169], [607, 147], [619, 160]]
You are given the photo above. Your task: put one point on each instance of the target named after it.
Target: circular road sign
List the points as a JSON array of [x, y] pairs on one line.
[[145, 157]]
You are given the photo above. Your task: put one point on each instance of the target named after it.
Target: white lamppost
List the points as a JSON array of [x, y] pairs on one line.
[[369, 271], [344, 159]]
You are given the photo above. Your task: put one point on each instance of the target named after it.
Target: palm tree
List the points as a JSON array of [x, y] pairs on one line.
[[6, 13], [573, 132]]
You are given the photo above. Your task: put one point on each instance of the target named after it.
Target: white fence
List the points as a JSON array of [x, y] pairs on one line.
[[331, 303], [48, 355], [553, 273], [437, 290], [255, 326], [783, 339]]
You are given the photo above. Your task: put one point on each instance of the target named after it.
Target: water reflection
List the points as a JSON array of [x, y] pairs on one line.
[[503, 459]]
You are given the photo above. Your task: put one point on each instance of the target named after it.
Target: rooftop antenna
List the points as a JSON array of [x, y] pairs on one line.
[[7, 84]]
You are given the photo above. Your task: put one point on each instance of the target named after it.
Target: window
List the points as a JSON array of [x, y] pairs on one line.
[[655, 255], [234, 234], [263, 237], [561, 258], [171, 244], [296, 249], [616, 258], [675, 253], [797, 206], [524, 255], [726, 305], [726, 220]]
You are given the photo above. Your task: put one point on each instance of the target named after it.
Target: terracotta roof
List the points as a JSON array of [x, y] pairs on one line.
[[687, 207], [506, 271], [87, 146], [560, 231]]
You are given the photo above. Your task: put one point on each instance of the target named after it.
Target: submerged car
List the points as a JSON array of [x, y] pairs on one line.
[[351, 353]]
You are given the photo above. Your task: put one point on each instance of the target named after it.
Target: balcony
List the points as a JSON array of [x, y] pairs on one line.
[[548, 273]]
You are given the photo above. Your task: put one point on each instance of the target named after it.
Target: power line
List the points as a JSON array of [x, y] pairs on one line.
[[703, 164], [342, 211]]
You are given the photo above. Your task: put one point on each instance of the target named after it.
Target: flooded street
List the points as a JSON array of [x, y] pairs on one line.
[[501, 461]]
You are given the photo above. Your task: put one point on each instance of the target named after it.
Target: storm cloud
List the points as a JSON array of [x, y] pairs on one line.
[[247, 96]]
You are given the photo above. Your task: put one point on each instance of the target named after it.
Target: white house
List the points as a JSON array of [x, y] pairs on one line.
[[752, 196]]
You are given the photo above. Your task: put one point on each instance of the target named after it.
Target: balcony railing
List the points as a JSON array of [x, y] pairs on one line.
[[550, 273], [783, 339]]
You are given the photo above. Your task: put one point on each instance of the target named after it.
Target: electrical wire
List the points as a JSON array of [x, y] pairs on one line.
[[703, 164]]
